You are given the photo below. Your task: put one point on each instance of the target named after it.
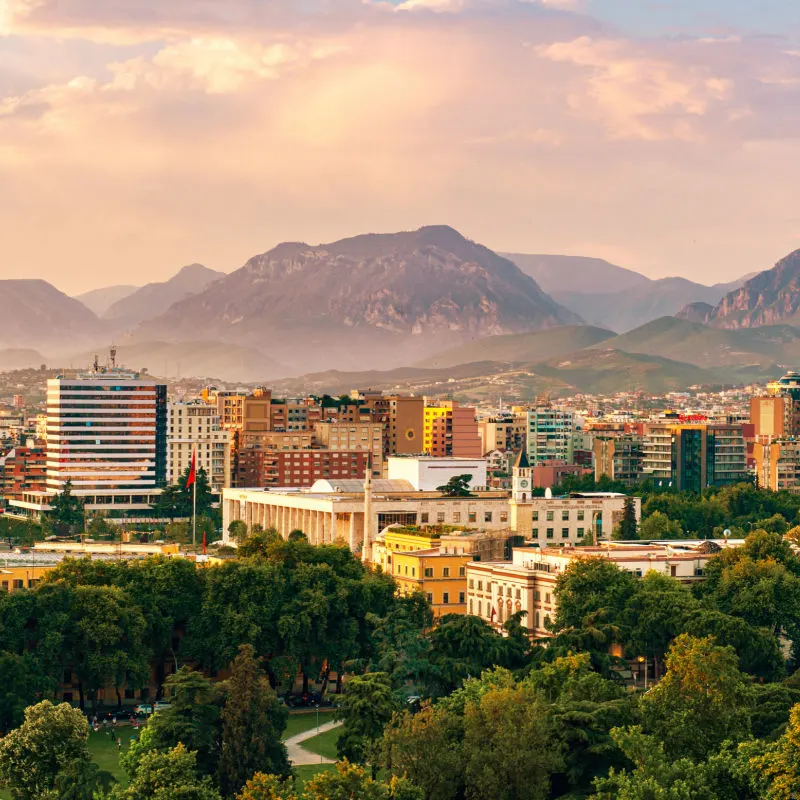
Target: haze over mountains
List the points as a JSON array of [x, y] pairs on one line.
[[429, 298]]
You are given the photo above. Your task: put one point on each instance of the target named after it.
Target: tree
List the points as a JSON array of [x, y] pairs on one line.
[[105, 637], [177, 500], [659, 526], [258, 543], [252, 723], [51, 740], [170, 775], [702, 700], [99, 527], [238, 530], [366, 707], [628, 526], [22, 680], [349, 782], [779, 765], [192, 720], [267, 787], [66, 512], [497, 768], [457, 486], [427, 748]]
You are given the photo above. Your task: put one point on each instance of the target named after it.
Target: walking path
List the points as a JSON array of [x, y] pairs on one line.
[[299, 756]]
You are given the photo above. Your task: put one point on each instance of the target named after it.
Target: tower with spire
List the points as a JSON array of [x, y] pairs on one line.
[[521, 504]]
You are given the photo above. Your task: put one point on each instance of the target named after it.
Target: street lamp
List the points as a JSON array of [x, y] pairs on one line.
[[643, 660]]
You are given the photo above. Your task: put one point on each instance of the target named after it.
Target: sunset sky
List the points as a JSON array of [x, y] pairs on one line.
[[140, 135]]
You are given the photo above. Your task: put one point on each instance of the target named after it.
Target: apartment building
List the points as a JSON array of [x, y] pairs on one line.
[[195, 427], [550, 435]]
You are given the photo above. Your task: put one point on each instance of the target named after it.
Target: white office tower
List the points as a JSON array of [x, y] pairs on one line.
[[107, 435], [195, 427]]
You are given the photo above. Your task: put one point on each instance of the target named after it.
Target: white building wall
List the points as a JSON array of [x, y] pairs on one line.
[[426, 473]]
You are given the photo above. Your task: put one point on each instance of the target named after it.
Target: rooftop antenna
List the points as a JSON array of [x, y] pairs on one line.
[[113, 354]]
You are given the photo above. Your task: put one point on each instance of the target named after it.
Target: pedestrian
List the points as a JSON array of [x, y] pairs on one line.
[[119, 744]]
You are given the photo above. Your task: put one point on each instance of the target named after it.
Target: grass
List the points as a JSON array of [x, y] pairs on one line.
[[300, 721], [324, 744], [305, 773]]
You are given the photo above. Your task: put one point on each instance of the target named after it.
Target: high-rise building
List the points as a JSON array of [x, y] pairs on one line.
[[693, 456], [195, 427], [778, 465], [618, 457], [451, 430], [107, 436], [550, 435]]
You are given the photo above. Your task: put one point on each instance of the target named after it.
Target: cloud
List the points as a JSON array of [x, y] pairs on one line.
[[211, 130]]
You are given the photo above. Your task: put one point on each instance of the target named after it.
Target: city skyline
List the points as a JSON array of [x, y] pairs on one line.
[[137, 139]]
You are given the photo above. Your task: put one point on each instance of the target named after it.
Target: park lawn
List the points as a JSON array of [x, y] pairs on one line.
[[306, 772], [324, 744], [104, 753], [302, 721]]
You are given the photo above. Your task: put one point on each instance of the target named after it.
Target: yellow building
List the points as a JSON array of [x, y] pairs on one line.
[[432, 414], [22, 577], [440, 576], [396, 541]]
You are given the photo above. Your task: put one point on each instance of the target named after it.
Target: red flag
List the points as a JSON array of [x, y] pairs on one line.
[[204, 542], [192, 470], [494, 613]]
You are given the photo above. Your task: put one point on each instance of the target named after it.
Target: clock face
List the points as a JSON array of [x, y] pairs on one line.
[[523, 484]]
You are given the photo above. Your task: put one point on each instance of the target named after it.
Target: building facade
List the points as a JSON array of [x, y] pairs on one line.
[[195, 427], [550, 435]]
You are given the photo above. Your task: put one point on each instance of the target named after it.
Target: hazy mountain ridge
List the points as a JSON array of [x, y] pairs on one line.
[[100, 300], [380, 299], [154, 299], [770, 297]]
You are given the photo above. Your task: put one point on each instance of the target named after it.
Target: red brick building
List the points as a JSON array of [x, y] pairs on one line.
[[260, 467]]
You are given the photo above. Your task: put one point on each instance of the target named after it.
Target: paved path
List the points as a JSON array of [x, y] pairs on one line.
[[298, 755]]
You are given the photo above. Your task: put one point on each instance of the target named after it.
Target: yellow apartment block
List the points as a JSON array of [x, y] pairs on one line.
[[22, 577], [391, 541], [440, 576], [432, 413]]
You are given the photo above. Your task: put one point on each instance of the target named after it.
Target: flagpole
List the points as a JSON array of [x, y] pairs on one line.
[[194, 514]]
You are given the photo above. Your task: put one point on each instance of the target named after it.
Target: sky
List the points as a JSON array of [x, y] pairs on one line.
[[140, 135]]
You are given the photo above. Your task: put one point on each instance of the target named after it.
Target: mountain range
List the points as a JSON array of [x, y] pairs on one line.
[[429, 298]]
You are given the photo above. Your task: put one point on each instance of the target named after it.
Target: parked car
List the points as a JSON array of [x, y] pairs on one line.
[[143, 710], [161, 705]]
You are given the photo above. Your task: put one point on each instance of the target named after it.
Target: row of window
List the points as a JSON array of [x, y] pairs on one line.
[[550, 533], [565, 515], [462, 598], [472, 516], [428, 571]]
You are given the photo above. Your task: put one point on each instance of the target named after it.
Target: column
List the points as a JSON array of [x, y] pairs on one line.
[[334, 526], [317, 527], [353, 543]]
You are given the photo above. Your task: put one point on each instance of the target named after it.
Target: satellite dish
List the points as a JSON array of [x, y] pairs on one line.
[[548, 494]]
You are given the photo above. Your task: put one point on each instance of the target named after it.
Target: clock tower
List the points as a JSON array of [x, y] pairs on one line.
[[521, 480]]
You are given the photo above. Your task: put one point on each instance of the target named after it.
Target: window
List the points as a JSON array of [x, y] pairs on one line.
[[445, 598], [565, 516], [445, 572], [504, 516], [423, 518], [429, 598], [473, 516], [581, 531], [487, 516], [535, 516], [456, 516], [565, 533], [535, 533], [519, 594], [471, 583], [470, 606], [537, 597], [547, 597], [673, 571], [462, 571], [537, 619], [440, 516], [413, 572], [550, 532], [428, 572], [581, 515], [406, 569], [550, 516]]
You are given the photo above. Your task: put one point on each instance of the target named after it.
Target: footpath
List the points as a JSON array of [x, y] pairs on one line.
[[298, 755]]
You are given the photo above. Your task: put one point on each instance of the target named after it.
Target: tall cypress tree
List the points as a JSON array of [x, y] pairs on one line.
[[252, 723], [628, 527]]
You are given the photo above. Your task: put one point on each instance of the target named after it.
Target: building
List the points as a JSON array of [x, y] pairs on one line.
[[507, 434], [107, 436], [441, 576], [195, 427], [261, 467], [22, 470], [618, 457], [778, 465], [566, 520], [356, 511], [548, 474], [427, 473], [550, 435], [768, 417], [353, 437], [692, 456], [527, 583], [451, 430]]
